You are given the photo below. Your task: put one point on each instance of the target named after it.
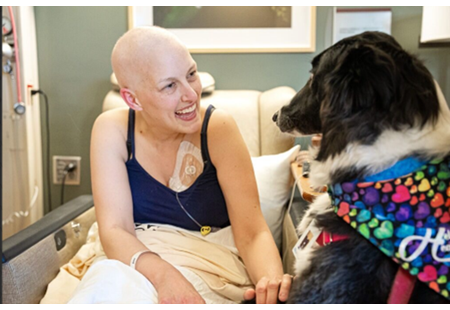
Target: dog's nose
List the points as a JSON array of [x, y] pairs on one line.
[[275, 116]]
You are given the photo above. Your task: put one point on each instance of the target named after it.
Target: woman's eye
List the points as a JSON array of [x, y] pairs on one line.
[[171, 85], [193, 73]]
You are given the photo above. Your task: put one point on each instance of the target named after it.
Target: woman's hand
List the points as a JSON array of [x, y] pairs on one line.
[[169, 282], [175, 289], [269, 291], [302, 157]]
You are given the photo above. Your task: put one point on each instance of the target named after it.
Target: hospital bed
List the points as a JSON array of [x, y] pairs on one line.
[[32, 258]]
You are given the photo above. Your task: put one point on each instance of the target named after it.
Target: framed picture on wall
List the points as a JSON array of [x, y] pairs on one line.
[[234, 29]]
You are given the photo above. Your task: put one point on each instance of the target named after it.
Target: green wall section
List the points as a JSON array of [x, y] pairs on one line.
[[74, 48]]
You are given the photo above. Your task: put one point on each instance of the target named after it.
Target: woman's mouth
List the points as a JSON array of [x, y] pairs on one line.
[[187, 113]]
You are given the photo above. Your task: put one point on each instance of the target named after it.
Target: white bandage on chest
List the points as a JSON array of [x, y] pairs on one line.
[[188, 167]]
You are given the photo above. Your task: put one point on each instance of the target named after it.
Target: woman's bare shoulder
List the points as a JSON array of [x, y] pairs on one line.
[[115, 120], [223, 134], [111, 127], [221, 121], [114, 117]]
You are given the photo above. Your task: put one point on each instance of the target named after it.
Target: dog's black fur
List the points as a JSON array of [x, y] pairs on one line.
[[359, 88]]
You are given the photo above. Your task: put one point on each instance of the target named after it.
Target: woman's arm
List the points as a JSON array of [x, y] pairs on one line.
[[114, 210], [253, 238]]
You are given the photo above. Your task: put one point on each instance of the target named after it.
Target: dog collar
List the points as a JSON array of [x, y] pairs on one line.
[[325, 238], [399, 169], [407, 218]]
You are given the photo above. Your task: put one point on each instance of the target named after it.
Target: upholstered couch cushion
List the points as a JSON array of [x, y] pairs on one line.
[[273, 141], [243, 105]]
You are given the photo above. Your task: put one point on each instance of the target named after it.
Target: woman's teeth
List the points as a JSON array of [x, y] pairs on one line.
[[186, 111]]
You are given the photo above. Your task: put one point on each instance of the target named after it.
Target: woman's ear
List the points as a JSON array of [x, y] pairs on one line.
[[130, 99]]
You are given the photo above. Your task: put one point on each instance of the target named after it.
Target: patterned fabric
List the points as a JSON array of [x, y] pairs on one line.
[[407, 218]]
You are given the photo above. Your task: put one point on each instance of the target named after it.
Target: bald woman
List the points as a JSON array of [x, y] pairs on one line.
[[167, 160]]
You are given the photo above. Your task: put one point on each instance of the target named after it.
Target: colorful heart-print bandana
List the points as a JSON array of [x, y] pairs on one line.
[[407, 218]]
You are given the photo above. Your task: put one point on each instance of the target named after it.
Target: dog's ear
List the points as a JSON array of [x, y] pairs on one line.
[[358, 92], [362, 81], [416, 92]]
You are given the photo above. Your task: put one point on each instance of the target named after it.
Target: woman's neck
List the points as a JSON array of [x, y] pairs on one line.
[[158, 135]]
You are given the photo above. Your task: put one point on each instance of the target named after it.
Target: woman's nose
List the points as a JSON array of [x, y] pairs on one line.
[[189, 93]]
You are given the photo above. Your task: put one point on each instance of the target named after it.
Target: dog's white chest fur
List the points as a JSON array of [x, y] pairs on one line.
[[320, 205]]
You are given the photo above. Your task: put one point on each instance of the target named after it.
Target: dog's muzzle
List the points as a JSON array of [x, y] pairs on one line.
[[275, 116], [284, 123]]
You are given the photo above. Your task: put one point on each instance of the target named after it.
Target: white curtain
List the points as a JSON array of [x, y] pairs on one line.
[[22, 202]]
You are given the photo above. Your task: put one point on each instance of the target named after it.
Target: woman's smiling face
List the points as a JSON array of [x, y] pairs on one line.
[[172, 90], [158, 72]]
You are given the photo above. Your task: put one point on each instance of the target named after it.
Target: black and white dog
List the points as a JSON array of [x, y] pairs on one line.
[[384, 155]]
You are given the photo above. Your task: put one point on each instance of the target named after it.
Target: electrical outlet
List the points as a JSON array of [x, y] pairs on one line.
[[61, 162]]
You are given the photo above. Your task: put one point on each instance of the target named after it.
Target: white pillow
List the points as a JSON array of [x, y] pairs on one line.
[[273, 177]]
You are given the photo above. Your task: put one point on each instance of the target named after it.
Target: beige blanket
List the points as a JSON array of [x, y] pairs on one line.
[[214, 259], [218, 265]]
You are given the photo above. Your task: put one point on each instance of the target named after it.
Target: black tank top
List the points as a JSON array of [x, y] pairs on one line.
[[153, 202]]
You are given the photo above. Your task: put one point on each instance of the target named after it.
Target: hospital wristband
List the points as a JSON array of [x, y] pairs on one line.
[[135, 257]]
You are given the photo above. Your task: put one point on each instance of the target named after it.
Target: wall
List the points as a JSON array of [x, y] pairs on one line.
[[74, 46], [263, 71]]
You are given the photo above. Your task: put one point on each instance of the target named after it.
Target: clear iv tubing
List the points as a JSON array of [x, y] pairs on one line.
[[16, 55]]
